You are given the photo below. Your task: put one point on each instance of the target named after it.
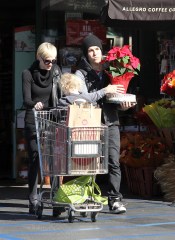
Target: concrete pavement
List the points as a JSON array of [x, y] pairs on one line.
[[145, 219]]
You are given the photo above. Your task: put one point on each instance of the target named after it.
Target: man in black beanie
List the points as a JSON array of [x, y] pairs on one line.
[[94, 78], [89, 41]]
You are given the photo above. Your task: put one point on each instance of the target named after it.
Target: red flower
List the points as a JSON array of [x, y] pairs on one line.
[[121, 62], [168, 84]]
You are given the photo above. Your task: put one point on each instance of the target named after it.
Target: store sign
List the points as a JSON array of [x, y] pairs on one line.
[[143, 10], [77, 30], [75, 5]]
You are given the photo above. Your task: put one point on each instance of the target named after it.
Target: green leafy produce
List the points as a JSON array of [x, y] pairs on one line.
[[162, 113]]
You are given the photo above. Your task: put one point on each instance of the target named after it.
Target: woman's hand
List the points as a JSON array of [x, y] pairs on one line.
[[39, 106], [117, 88]]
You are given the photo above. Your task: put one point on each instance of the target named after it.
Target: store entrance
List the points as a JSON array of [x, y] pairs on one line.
[[6, 100], [12, 14]]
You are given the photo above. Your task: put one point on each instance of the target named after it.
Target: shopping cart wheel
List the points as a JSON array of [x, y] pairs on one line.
[[39, 211], [83, 214], [57, 211], [93, 216], [71, 216]]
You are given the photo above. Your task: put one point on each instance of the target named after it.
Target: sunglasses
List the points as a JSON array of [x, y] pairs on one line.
[[47, 62]]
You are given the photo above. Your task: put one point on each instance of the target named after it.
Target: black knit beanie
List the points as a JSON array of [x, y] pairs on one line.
[[89, 41]]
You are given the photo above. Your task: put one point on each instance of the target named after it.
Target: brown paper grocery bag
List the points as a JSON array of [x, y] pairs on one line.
[[84, 115]]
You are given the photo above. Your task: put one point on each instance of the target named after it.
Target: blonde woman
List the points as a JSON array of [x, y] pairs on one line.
[[40, 90]]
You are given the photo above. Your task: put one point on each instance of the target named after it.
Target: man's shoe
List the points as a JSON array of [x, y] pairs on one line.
[[117, 207]]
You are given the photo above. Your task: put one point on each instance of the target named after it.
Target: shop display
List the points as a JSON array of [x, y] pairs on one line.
[[142, 149], [141, 154], [161, 112], [25, 39], [162, 116], [21, 157], [166, 54], [166, 60], [77, 29], [69, 56], [165, 175], [168, 84], [141, 181]]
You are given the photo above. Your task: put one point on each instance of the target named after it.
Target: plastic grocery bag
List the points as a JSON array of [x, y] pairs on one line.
[[79, 190]]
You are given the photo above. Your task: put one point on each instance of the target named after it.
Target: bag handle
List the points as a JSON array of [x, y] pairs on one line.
[[98, 196]]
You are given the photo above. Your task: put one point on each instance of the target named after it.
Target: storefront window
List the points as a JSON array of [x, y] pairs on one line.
[[166, 54], [56, 12], [55, 15]]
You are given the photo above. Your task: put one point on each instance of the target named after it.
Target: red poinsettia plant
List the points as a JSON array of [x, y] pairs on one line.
[[122, 65], [168, 84]]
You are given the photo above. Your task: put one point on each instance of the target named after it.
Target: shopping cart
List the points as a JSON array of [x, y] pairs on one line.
[[68, 151]]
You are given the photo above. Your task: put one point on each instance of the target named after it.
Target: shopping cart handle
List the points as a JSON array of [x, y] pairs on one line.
[[51, 108]]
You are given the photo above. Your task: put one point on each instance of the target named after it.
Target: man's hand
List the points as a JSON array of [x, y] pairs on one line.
[[126, 105]]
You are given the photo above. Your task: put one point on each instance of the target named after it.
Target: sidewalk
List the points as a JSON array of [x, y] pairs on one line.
[[144, 219]]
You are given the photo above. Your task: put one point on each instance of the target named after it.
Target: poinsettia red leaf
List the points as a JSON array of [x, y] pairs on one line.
[[122, 64], [125, 51], [135, 62], [114, 50], [111, 57]]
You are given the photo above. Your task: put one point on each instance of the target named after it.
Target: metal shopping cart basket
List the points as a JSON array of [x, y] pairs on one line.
[[69, 151]]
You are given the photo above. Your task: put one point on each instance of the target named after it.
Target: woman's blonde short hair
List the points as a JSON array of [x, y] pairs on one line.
[[68, 82], [46, 50]]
